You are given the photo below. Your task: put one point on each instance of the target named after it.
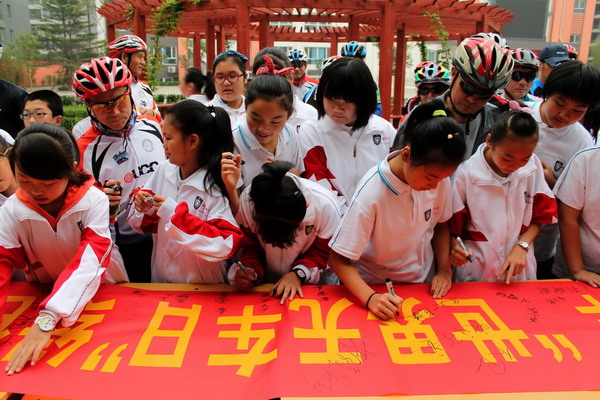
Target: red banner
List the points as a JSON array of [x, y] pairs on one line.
[[483, 338]]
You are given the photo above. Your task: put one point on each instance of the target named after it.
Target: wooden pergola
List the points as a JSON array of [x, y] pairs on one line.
[[393, 21]]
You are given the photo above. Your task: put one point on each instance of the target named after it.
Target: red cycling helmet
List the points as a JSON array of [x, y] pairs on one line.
[[100, 75], [573, 54], [483, 62], [126, 44], [525, 58]]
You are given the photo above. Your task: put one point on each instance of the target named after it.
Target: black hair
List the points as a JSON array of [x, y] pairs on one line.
[[271, 87], [273, 52], [591, 120], [279, 205], [519, 123], [202, 83], [189, 117], [46, 152], [349, 79], [433, 139], [260, 62], [231, 55], [51, 98], [574, 80]]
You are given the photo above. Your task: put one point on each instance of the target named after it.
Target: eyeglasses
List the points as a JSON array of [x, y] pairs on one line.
[[36, 115], [298, 64], [232, 78], [109, 105], [518, 75], [436, 90], [470, 91], [2, 156]]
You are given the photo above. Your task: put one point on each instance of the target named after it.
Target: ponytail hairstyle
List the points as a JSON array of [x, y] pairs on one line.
[[349, 79], [46, 152], [279, 205], [213, 127], [271, 87], [519, 123], [202, 83], [433, 136]]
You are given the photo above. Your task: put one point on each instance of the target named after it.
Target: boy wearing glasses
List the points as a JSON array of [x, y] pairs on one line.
[[551, 57], [121, 150], [42, 106]]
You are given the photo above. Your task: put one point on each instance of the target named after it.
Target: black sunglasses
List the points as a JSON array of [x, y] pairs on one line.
[[528, 76], [470, 91], [436, 90]]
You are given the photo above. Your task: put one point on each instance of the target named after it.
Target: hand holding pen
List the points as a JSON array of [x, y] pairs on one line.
[[459, 253], [384, 305]]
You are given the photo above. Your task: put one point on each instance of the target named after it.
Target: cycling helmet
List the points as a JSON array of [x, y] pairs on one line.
[[573, 54], [432, 73], [328, 61], [354, 49], [423, 64], [125, 44], [493, 36], [297, 55], [483, 62], [525, 58], [100, 75]]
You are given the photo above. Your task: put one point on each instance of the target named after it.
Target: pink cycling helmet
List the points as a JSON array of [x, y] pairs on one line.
[[100, 75]]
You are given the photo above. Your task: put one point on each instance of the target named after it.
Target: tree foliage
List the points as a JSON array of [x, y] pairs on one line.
[[65, 36], [19, 60]]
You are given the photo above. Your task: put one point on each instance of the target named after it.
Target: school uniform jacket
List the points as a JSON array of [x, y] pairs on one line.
[[234, 113], [132, 160], [301, 114], [310, 250], [73, 250], [490, 217], [338, 158], [255, 155], [194, 231], [388, 227]]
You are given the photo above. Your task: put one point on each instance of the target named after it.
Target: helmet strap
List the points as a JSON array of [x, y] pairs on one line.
[[123, 132], [469, 117]]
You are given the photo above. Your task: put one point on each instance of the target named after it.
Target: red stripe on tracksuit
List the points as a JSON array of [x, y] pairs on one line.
[[85, 271], [545, 209], [317, 254], [149, 222], [253, 254], [9, 259], [458, 226], [198, 230], [315, 164]]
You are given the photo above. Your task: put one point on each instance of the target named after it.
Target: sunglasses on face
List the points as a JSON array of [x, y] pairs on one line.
[[527, 75], [436, 90], [470, 91], [109, 105], [298, 64]]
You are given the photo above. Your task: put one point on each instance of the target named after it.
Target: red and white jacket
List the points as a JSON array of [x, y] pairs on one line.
[[302, 86], [310, 251], [490, 214], [338, 158], [194, 231], [132, 160], [73, 250]]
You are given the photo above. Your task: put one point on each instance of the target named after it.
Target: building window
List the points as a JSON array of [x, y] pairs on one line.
[[432, 55], [575, 39], [594, 36], [316, 55], [579, 7], [169, 55], [596, 24], [12, 35], [8, 11], [35, 13], [35, 2], [1, 35]]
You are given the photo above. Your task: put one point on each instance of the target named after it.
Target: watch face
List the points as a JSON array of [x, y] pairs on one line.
[[300, 273], [46, 323]]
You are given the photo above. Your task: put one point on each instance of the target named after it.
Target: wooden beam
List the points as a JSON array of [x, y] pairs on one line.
[[353, 29], [386, 44], [399, 75], [242, 24], [333, 51], [197, 51], [221, 38], [210, 45], [264, 32]]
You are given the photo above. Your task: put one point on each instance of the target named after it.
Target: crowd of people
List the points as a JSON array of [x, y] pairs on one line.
[[287, 180]]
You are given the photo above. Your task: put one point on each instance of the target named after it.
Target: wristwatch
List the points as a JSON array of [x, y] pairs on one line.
[[524, 245], [45, 322], [300, 274]]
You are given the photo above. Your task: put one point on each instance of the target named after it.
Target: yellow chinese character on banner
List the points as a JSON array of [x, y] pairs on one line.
[[593, 309], [483, 331], [141, 357], [255, 356], [8, 319], [412, 342], [329, 332], [72, 338]]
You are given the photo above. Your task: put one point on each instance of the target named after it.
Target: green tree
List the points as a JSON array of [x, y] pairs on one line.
[[19, 60], [65, 36], [594, 57]]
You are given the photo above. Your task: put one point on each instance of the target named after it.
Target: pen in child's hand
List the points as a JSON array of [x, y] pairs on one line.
[[464, 248], [390, 288], [244, 269], [242, 162], [150, 199]]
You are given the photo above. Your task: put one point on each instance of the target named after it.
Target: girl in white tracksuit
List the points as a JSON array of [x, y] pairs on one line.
[[500, 201], [183, 204], [287, 222], [348, 138], [56, 228]]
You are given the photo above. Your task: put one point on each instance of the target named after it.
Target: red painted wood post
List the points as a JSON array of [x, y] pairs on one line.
[[197, 51], [399, 78], [386, 43], [243, 27], [210, 45]]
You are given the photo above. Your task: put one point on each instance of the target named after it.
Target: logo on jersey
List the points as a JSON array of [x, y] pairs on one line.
[[377, 139], [197, 202], [143, 169], [427, 214], [147, 145], [121, 157], [528, 198], [559, 165], [308, 229]]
